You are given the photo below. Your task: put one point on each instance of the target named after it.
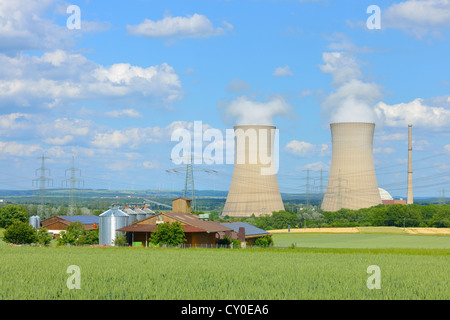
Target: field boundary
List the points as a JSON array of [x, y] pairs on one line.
[[379, 230]]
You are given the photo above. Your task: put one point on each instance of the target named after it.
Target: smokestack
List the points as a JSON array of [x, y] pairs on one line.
[[352, 183], [409, 199], [254, 188]]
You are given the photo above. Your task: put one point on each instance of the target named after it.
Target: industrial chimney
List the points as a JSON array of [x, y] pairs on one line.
[[352, 182], [254, 186], [409, 198]]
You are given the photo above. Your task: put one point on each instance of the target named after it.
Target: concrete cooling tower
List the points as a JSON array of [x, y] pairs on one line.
[[254, 187], [352, 183]]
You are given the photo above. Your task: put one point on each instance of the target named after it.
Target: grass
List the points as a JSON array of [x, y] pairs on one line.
[[323, 266], [220, 274], [369, 240]]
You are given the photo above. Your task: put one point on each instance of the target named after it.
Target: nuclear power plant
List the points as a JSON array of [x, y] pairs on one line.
[[254, 186], [352, 183]]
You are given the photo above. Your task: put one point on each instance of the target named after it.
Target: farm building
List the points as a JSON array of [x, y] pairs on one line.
[[198, 232], [57, 224], [250, 233]]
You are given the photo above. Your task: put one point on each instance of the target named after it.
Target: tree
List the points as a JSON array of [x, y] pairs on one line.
[[20, 233], [171, 234], [43, 237], [11, 213]]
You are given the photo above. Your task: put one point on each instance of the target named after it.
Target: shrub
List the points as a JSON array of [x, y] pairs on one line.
[[171, 234], [265, 241], [20, 233], [43, 237]]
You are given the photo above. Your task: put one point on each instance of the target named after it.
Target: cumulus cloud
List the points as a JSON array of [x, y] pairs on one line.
[[242, 111], [282, 72], [195, 26], [305, 149], [419, 17], [57, 76], [415, 112], [125, 113]]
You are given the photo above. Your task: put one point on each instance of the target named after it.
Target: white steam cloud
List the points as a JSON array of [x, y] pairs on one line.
[[242, 111], [353, 99]]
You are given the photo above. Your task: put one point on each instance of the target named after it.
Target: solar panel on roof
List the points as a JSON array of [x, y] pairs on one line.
[[90, 219]]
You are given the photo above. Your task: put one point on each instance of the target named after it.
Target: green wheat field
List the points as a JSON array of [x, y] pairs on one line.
[[330, 266]]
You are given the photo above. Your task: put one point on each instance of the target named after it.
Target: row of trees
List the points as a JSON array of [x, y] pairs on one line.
[[398, 215]]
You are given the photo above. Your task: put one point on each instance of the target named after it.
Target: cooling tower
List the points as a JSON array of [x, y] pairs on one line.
[[254, 186], [352, 183]]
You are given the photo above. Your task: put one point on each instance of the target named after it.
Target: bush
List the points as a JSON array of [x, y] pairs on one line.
[[265, 241], [20, 233], [43, 237], [171, 234], [75, 234], [11, 213], [120, 240], [225, 242]]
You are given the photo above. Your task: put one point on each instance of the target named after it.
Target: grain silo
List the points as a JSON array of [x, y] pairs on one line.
[[35, 221], [148, 212], [352, 183], [254, 186], [140, 213], [110, 221], [133, 217]]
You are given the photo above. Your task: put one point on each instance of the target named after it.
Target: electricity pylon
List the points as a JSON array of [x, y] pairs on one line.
[[43, 180], [189, 179], [73, 182]]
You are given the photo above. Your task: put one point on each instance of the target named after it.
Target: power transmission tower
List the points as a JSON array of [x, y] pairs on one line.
[[43, 180], [307, 187], [442, 199], [189, 178], [73, 182]]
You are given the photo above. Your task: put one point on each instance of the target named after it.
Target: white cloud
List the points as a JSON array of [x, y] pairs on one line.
[[125, 113], [195, 26], [13, 148], [150, 164], [305, 149], [386, 150], [282, 72], [419, 17], [242, 111], [353, 98], [415, 113], [317, 166], [237, 85], [57, 77]]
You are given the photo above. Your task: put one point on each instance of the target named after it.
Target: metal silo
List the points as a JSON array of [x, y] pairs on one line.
[[35, 222], [254, 185], [131, 214], [352, 183], [148, 212], [140, 214], [110, 221]]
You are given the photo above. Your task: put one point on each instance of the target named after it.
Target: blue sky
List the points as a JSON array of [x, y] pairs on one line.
[[111, 92]]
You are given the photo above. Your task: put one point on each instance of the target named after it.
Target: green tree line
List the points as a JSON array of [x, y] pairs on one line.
[[397, 215]]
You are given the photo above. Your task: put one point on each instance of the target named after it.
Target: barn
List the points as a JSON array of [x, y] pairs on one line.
[[198, 232], [57, 224]]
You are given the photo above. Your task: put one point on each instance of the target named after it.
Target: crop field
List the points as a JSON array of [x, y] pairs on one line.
[[218, 274], [361, 240]]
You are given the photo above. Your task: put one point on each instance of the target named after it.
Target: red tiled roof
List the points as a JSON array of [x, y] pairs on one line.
[[153, 227]]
